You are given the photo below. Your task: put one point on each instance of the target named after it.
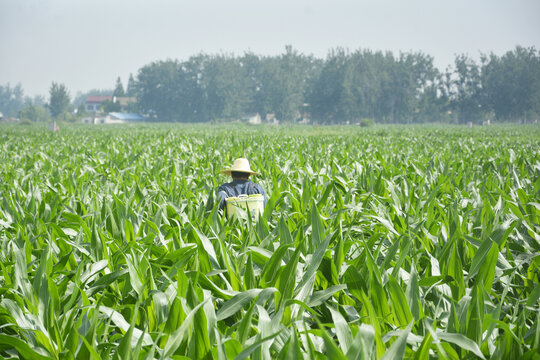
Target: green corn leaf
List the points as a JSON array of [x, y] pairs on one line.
[[303, 289], [319, 297], [413, 297], [316, 227], [534, 296], [134, 277], [205, 245], [399, 302], [291, 351], [271, 270], [255, 346], [374, 321], [124, 351], [237, 302], [343, 331], [287, 279], [475, 314], [93, 354], [479, 257], [122, 324], [461, 341], [245, 325], [249, 275], [178, 335], [285, 236], [488, 267], [22, 348], [397, 349], [423, 351]]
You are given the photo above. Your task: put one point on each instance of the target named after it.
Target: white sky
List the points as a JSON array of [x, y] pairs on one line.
[[88, 44]]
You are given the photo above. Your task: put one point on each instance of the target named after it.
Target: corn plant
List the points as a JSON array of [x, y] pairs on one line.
[[383, 242]]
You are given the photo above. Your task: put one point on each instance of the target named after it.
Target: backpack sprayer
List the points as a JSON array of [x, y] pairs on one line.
[[242, 205]]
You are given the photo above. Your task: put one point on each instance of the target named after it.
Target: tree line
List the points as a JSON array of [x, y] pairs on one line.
[[345, 87]]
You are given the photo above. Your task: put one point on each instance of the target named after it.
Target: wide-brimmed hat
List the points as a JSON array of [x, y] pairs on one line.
[[240, 165]]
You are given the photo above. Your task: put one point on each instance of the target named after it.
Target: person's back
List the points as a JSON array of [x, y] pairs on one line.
[[241, 185]]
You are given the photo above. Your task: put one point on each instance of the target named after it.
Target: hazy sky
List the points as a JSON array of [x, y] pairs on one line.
[[88, 44]]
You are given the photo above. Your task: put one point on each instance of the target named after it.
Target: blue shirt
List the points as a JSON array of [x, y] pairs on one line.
[[238, 187]]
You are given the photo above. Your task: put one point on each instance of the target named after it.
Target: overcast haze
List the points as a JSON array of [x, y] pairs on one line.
[[88, 44]]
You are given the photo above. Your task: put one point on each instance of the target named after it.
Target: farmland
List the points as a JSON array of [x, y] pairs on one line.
[[381, 242]]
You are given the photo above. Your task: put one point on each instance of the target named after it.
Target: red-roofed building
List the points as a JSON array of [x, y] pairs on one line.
[[93, 102]]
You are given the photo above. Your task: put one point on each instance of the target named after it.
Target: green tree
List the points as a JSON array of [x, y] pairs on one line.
[[252, 66], [433, 102], [11, 99], [119, 89], [511, 84], [81, 111], [326, 99], [109, 106], [59, 100], [33, 113], [131, 86], [414, 74], [226, 89], [171, 90], [290, 84], [466, 90], [155, 90], [344, 87]]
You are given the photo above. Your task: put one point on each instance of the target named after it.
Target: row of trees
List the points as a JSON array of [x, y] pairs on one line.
[[12, 100], [13, 103], [344, 87]]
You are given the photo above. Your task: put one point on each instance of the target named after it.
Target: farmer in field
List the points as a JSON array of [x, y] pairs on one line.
[[241, 185]]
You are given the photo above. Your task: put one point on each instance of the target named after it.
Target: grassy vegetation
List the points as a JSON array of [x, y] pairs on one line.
[[380, 242]]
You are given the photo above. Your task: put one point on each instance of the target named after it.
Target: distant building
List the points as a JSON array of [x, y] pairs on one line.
[[252, 118], [10, 119], [93, 102], [126, 117], [271, 119], [124, 102], [115, 118]]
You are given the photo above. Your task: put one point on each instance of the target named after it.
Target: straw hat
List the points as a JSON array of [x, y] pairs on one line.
[[240, 165]]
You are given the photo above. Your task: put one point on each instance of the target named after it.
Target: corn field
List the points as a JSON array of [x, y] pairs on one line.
[[375, 243]]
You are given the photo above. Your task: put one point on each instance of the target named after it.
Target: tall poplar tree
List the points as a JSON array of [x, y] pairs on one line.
[[58, 100], [119, 88]]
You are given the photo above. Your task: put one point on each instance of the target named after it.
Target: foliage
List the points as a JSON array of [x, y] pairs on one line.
[[70, 117], [511, 84], [162, 89], [466, 90], [130, 89], [109, 106], [383, 242], [365, 122], [34, 113], [11, 99], [344, 88], [81, 110], [59, 100], [119, 88]]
